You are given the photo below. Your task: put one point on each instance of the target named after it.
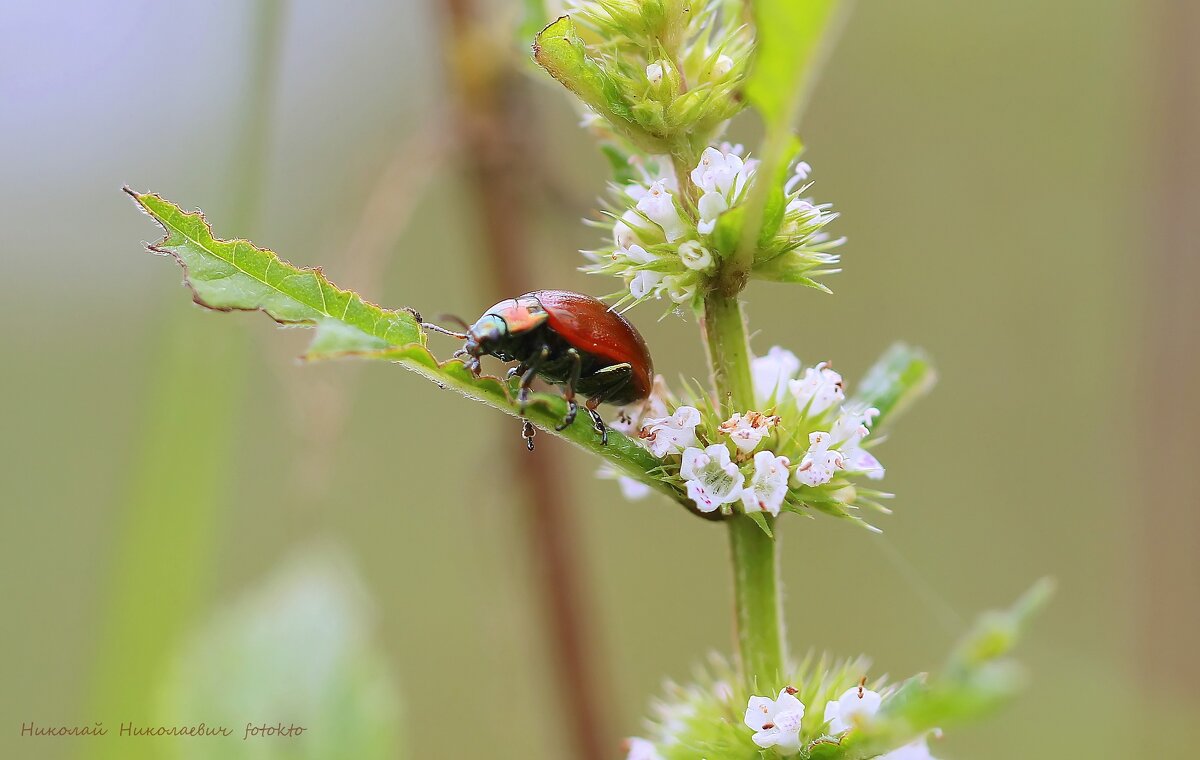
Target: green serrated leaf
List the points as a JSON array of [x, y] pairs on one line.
[[234, 275]]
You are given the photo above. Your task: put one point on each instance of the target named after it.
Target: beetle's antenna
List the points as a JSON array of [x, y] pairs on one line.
[[444, 331]]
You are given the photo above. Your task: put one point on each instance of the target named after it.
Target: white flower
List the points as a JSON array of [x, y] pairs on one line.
[[643, 281], [711, 205], [819, 463], [768, 486], [771, 372], [719, 172], [847, 433], [681, 288], [695, 256], [654, 73], [624, 232], [918, 750], [640, 749], [854, 706], [723, 66], [668, 435], [658, 205], [817, 389], [776, 722], [712, 479], [747, 430]]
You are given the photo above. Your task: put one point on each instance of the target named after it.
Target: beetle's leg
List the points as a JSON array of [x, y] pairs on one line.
[[532, 365], [621, 375], [527, 431], [597, 422], [569, 390]]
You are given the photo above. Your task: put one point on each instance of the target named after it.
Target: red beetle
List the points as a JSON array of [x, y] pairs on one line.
[[569, 339]]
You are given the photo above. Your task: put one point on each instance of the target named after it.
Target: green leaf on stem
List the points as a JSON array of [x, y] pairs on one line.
[[234, 275], [899, 377]]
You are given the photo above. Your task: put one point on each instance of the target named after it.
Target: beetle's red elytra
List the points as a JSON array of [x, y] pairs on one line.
[[570, 339]]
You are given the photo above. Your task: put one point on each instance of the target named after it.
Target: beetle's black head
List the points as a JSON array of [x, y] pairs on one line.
[[488, 332]]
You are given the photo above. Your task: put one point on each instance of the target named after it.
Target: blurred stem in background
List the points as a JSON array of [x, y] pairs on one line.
[[493, 135], [1166, 635], [181, 473]]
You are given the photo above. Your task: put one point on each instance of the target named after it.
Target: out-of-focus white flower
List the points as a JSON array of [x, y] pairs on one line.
[[818, 389], [633, 490], [712, 479], [772, 372], [643, 281], [589, 118], [654, 73], [629, 419], [658, 205], [768, 486], [854, 706], [640, 749], [722, 66], [747, 430], [695, 256], [776, 722], [918, 750], [819, 462], [811, 213], [669, 435], [847, 433], [799, 175]]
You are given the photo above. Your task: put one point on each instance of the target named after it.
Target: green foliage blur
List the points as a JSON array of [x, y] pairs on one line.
[[983, 155]]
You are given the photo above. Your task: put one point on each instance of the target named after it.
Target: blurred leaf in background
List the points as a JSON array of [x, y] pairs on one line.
[[297, 649]]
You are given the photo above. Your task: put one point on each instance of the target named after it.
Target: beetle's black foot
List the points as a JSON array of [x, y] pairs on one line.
[[416, 314], [569, 420], [527, 432], [599, 425]]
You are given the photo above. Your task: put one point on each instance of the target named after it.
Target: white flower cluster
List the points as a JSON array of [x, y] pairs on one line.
[[777, 722], [661, 240], [754, 458]]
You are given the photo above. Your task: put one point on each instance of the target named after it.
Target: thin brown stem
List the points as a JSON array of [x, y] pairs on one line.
[[495, 146]]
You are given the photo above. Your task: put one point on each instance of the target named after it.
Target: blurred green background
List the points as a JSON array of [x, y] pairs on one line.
[[1008, 183]]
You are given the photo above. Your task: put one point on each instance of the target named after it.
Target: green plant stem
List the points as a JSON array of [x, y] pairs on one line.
[[757, 604], [756, 587]]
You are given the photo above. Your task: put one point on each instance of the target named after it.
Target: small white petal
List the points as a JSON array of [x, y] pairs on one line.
[[819, 463], [669, 435], [817, 389], [747, 430], [768, 488], [631, 489], [654, 73], [695, 256], [658, 205], [723, 65], [855, 705], [640, 749], [712, 478], [771, 373]]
